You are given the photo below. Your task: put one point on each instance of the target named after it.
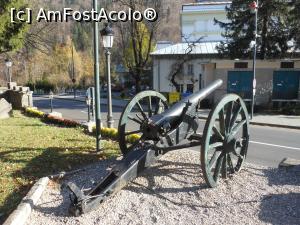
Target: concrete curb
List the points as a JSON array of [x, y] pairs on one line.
[[22, 213], [289, 162], [266, 124], [275, 125]]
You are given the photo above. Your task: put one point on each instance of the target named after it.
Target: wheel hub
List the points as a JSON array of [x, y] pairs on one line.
[[230, 145], [149, 130]]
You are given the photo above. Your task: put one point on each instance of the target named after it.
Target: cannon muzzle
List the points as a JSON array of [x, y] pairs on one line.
[[173, 114]]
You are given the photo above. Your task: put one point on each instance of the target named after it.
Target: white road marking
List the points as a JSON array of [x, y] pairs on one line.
[[278, 146], [84, 112]]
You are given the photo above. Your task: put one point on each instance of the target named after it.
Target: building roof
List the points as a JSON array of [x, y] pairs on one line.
[[205, 6], [204, 48], [208, 2]]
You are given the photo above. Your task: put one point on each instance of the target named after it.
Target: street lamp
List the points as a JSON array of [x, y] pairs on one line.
[[8, 64], [254, 9], [108, 40]]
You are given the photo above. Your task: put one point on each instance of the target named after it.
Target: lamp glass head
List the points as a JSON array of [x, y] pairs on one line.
[[107, 36], [8, 63]]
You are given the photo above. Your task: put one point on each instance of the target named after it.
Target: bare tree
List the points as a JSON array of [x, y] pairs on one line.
[[137, 38], [178, 65], [38, 37]]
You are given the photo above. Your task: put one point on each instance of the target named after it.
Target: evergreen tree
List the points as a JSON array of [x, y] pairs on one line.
[[295, 22], [82, 36], [273, 29], [11, 34]]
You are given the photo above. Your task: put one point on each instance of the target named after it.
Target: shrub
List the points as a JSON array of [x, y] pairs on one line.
[[44, 85], [133, 138], [61, 121], [113, 134], [122, 95], [290, 109], [33, 112]]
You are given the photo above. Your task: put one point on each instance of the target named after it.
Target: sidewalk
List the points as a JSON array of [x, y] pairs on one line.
[[284, 121]]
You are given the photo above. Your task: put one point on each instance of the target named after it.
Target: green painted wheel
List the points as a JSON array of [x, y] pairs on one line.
[[225, 139], [138, 111]]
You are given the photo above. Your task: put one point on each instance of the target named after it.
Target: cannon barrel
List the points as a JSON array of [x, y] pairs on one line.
[[175, 111]]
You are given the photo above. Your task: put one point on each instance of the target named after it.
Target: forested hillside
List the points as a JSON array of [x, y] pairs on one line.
[[45, 54]]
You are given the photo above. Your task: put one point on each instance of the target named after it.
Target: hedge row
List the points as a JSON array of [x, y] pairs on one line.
[[110, 133], [33, 112], [113, 134]]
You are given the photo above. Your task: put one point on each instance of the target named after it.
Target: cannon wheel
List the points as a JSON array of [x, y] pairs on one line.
[[143, 106], [225, 139]]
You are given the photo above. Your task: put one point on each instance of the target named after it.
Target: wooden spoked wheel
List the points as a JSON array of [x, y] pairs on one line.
[[225, 139], [137, 112]]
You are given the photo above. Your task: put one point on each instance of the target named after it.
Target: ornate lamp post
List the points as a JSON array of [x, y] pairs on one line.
[[108, 39], [8, 64], [254, 9]]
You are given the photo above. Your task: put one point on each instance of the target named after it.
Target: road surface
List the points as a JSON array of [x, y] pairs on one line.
[[268, 145]]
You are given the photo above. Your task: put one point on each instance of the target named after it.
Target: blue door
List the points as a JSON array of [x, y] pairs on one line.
[[240, 82], [286, 84]]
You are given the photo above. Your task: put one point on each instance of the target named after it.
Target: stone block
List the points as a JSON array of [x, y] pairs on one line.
[[5, 109], [89, 125], [56, 114], [25, 89], [17, 88], [11, 85]]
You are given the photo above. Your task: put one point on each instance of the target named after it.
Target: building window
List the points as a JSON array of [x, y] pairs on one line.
[[181, 88], [241, 65], [287, 65], [190, 88], [190, 69]]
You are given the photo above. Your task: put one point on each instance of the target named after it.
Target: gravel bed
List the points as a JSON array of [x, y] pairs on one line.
[[174, 192]]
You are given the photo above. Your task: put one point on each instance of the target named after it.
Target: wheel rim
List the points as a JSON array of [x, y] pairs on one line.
[[143, 106], [225, 139]]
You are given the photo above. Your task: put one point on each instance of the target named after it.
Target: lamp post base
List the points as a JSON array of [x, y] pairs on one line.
[[110, 122]]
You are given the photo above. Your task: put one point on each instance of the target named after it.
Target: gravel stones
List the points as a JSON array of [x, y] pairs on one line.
[[173, 191]]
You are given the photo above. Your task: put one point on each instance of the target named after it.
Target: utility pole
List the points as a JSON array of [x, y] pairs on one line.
[[254, 8], [73, 71], [97, 80]]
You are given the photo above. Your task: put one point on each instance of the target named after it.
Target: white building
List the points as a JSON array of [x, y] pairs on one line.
[[277, 79], [197, 20], [194, 73]]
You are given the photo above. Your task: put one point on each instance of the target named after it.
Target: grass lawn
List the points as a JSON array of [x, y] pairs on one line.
[[30, 149]]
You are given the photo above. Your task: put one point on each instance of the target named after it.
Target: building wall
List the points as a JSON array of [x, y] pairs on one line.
[[198, 21], [218, 69], [264, 77], [162, 69]]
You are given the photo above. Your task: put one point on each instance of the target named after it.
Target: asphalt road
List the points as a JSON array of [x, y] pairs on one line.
[[268, 145]]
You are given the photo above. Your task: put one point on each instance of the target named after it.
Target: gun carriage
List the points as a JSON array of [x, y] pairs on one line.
[[223, 144]]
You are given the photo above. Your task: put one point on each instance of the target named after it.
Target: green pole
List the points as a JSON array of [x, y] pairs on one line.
[[97, 80], [254, 62]]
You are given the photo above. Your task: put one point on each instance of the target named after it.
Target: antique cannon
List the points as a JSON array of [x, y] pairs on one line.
[[160, 129]]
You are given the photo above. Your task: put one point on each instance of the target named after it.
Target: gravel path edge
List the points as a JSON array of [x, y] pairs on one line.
[[23, 211]]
